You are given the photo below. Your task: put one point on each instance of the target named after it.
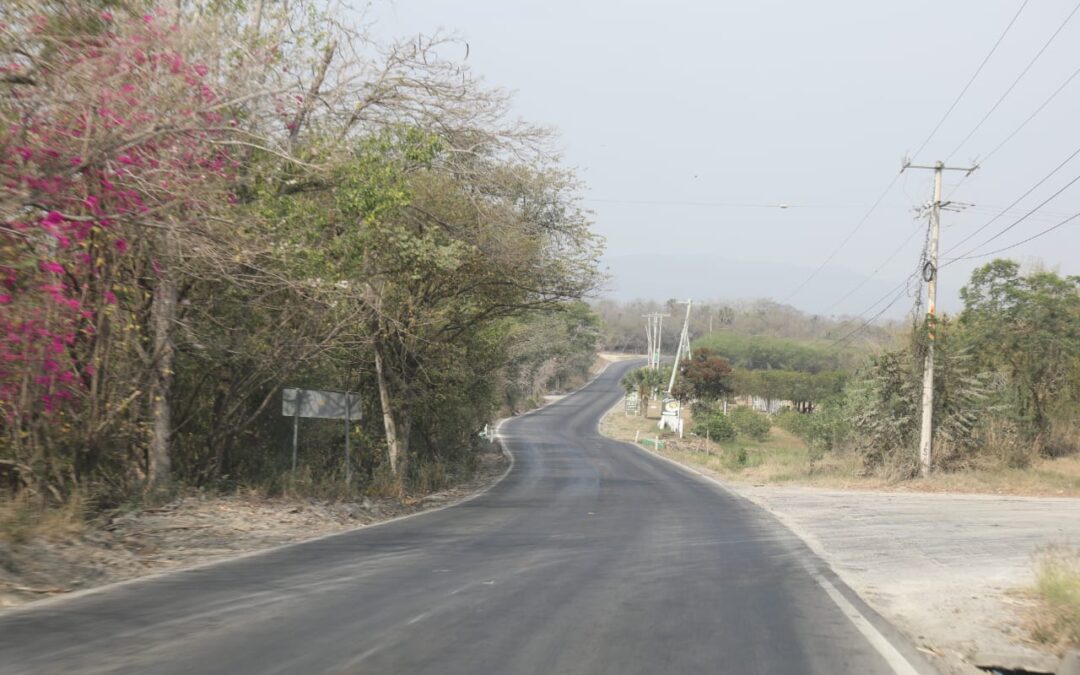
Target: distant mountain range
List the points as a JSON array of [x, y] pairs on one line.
[[706, 277]]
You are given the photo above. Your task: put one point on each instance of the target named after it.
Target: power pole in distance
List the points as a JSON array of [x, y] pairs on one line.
[[684, 343], [654, 324], [929, 273]]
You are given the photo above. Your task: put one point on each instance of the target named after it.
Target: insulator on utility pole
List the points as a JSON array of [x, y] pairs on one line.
[[929, 272]]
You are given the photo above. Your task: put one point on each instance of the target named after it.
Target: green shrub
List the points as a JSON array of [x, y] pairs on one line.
[[750, 423], [716, 427], [793, 422]]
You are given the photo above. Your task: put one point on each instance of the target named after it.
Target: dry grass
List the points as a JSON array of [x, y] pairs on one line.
[[1057, 586], [785, 458], [23, 518]]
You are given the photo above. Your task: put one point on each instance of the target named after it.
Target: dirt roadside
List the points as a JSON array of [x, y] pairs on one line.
[[200, 529], [196, 530], [952, 571]]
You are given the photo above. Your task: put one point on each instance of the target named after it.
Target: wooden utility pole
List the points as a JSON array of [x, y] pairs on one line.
[[929, 273]]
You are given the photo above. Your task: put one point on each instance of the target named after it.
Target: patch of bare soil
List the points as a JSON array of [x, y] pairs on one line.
[[195, 530]]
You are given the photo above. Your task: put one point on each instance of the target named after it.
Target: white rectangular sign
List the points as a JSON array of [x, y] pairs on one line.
[[327, 405]]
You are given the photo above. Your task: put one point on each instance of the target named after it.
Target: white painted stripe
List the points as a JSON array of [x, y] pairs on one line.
[[895, 660]]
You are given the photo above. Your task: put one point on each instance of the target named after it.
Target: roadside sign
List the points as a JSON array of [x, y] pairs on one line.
[[321, 404], [671, 407], [632, 403]]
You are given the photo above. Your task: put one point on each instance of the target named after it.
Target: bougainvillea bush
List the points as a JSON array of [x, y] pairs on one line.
[[114, 133], [202, 205]]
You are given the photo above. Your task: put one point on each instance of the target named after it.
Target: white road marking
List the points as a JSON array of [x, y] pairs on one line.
[[895, 660]]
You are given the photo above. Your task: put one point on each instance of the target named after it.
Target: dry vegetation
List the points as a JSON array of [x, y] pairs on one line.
[[785, 458], [1057, 589], [48, 552]]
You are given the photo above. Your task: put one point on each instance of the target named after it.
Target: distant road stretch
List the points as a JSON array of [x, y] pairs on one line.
[[589, 557]]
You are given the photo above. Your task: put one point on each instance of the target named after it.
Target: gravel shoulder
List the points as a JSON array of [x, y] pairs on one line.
[[949, 570], [197, 530]]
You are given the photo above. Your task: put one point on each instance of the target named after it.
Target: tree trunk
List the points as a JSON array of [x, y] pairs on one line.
[[393, 444], [163, 318]]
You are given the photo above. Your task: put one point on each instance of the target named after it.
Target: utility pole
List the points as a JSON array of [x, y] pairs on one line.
[[648, 336], [929, 274], [684, 343], [654, 324]]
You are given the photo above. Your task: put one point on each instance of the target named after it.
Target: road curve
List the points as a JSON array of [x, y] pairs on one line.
[[589, 557]]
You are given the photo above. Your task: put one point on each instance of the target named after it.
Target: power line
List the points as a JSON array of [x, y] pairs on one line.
[[902, 287], [1020, 220], [1023, 124], [1015, 82], [1019, 199], [934, 131], [1032, 115], [843, 243], [1022, 241], [972, 79], [896, 252]]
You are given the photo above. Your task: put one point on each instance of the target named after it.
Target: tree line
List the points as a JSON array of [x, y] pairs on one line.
[[1007, 380], [205, 202]]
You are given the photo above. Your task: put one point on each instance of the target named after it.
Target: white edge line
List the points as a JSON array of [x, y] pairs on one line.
[[897, 661]]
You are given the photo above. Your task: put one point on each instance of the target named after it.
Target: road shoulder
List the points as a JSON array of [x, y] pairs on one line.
[[948, 570], [201, 530]]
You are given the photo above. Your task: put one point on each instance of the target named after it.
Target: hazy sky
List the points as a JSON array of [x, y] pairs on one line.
[[677, 113]]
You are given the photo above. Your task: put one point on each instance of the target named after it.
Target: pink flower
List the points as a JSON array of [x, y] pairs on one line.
[[52, 218], [106, 16], [201, 69], [6, 299], [110, 297], [121, 245], [54, 267]]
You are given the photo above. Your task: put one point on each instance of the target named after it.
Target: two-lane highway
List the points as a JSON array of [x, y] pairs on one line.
[[589, 557]]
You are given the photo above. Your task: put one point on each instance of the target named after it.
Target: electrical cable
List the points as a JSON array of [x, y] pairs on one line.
[[866, 279], [972, 79], [932, 133], [902, 287], [1023, 124], [1022, 241], [1019, 199], [1017, 222], [843, 243], [1015, 82]]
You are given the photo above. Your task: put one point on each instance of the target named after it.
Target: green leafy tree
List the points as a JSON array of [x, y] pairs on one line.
[[1027, 327]]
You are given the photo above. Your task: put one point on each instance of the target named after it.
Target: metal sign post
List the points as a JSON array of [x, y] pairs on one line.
[[322, 404], [296, 429], [348, 462]]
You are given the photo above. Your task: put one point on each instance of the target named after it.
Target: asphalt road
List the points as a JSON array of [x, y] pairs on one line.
[[589, 557]]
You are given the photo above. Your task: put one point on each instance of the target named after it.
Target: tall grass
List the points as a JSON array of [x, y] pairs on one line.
[[1057, 582]]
